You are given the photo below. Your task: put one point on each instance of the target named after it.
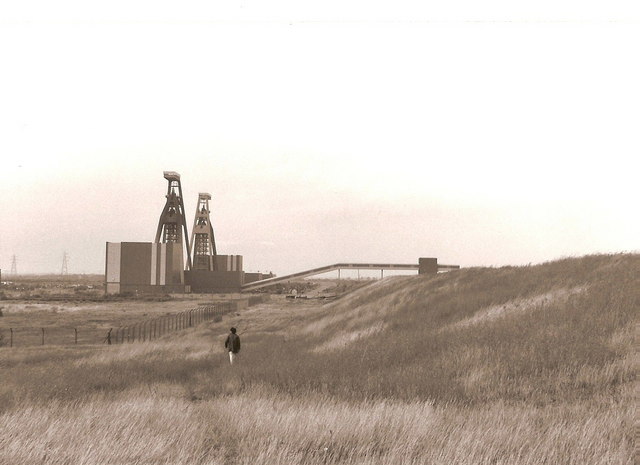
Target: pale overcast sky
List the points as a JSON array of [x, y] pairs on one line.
[[481, 133]]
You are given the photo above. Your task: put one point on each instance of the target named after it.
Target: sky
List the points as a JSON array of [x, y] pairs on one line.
[[481, 133]]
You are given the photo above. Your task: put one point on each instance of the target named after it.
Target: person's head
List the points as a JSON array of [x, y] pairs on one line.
[[233, 330]]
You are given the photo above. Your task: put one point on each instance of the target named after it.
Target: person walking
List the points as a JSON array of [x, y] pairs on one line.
[[232, 344]]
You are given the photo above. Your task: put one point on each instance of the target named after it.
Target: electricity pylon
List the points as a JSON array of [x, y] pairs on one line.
[[65, 270]]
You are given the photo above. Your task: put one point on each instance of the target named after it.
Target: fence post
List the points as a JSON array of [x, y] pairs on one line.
[[75, 336], [42, 335], [11, 337], [190, 311]]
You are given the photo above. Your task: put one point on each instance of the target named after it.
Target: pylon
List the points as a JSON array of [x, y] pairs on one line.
[[14, 266], [65, 270], [203, 242], [172, 226]]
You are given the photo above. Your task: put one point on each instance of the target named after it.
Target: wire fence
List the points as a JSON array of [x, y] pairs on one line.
[[141, 331]]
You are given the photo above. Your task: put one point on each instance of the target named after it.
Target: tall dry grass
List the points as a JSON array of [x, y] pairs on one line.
[[261, 426], [547, 377]]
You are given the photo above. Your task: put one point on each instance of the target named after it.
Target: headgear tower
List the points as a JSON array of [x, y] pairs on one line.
[[203, 242], [172, 227]]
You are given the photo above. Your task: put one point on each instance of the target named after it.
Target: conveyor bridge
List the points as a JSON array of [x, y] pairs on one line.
[[425, 266]]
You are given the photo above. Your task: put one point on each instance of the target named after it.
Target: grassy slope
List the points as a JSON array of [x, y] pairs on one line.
[[508, 365]]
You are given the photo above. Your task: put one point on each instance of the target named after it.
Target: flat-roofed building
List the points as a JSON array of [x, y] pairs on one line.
[[144, 267]]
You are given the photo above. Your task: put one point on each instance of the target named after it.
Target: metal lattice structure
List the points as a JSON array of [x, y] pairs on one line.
[[172, 226], [203, 242], [65, 264]]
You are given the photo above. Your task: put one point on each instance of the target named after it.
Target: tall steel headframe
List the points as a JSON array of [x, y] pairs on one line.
[[203, 242], [172, 226]]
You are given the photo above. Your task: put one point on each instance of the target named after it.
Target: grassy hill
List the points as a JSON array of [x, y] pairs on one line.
[[479, 366]]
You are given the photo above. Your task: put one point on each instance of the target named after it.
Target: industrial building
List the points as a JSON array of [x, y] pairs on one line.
[[159, 266], [144, 267]]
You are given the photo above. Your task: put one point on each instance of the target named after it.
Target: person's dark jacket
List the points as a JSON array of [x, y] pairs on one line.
[[233, 343]]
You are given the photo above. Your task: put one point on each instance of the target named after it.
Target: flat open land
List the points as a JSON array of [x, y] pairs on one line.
[[512, 365]]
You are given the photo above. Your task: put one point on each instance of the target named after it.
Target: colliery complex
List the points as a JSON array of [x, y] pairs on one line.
[[159, 266], [148, 267]]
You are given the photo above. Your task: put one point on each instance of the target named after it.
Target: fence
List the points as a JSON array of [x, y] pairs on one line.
[[142, 331], [157, 327]]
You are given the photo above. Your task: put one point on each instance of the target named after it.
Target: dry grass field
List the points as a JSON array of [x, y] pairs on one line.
[[512, 365]]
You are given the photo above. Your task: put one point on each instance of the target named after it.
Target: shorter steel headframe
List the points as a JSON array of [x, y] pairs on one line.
[[203, 242]]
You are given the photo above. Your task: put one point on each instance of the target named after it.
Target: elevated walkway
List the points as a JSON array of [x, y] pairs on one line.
[[425, 266]]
